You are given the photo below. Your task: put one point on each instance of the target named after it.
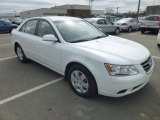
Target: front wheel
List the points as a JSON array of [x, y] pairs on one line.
[[20, 54], [117, 31], [82, 81], [142, 31]]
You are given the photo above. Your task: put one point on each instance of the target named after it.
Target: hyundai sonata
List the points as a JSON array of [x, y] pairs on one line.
[[91, 61]]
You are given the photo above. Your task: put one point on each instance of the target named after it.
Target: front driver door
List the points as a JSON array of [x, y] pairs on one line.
[[47, 52]]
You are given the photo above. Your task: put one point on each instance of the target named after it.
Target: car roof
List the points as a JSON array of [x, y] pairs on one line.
[[58, 18], [94, 18], [152, 15]]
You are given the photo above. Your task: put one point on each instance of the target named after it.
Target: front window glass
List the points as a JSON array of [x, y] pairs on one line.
[[45, 29], [77, 30]]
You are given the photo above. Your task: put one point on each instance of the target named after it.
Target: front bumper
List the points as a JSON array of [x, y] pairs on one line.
[[115, 86]]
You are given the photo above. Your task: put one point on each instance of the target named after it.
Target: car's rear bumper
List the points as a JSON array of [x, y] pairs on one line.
[[149, 28], [124, 28]]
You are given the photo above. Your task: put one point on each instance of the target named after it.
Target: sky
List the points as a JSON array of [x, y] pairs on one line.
[[12, 6]]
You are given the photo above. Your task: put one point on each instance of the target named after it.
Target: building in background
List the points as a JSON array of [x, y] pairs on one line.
[[82, 11], [153, 10], [9, 15]]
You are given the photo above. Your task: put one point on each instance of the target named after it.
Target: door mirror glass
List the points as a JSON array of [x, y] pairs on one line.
[[50, 37]]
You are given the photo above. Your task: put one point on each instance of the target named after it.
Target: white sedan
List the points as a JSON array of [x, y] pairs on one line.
[[91, 61], [128, 24]]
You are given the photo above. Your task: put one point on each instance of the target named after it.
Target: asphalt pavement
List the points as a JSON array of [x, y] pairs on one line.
[[33, 92]]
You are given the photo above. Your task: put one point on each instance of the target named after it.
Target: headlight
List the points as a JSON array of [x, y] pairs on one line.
[[121, 70]]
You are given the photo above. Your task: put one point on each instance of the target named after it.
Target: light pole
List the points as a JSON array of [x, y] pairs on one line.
[[138, 8], [90, 4], [117, 9]]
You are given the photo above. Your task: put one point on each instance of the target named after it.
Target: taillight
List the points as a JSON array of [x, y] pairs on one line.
[[124, 24]]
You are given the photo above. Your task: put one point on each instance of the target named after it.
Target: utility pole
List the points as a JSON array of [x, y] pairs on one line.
[[117, 9], [138, 8], [90, 4]]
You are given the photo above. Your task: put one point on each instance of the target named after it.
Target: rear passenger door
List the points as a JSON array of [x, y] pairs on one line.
[[27, 36]]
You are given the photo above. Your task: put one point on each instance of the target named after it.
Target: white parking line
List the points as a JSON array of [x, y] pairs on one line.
[[156, 57], [5, 45], [29, 91], [7, 58]]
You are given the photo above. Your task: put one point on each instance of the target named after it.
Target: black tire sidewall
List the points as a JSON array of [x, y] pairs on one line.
[[24, 60], [130, 29], [92, 90], [116, 31]]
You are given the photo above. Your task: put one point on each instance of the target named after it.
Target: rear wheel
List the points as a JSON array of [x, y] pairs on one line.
[[142, 31], [117, 31], [82, 81], [20, 54], [130, 29], [11, 30], [158, 45]]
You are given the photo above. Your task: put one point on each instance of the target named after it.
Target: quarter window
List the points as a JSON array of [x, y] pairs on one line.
[[45, 28], [101, 22], [30, 27]]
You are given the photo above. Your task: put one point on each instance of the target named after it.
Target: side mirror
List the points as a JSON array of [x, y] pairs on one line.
[[49, 37]]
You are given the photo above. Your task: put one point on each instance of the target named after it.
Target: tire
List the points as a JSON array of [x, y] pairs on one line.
[[117, 31], [142, 31], [20, 54], [11, 30], [158, 45], [82, 81], [130, 29]]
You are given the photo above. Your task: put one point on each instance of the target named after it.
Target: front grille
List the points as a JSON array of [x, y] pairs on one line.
[[147, 64]]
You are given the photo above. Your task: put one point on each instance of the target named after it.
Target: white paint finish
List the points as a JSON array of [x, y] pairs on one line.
[[7, 58], [29, 91], [92, 54]]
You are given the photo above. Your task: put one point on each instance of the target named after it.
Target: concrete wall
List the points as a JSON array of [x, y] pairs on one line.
[[153, 10], [69, 10], [78, 7], [97, 12], [42, 12]]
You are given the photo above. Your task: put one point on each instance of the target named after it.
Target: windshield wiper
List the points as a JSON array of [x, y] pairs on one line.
[[76, 41], [83, 40], [98, 37]]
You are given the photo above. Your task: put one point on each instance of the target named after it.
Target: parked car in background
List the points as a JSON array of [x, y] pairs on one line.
[[110, 18], [151, 23], [105, 25], [140, 19], [91, 61], [128, 24], [6, 20], [6, 27], [158, 39], [16, 21]]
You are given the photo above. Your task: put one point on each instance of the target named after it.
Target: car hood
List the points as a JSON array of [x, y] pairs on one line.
[[119, 47]]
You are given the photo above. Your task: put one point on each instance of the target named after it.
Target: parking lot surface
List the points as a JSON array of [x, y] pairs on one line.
[[33, 92]]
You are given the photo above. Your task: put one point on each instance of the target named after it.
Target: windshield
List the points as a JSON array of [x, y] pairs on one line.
[[77, 31]]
